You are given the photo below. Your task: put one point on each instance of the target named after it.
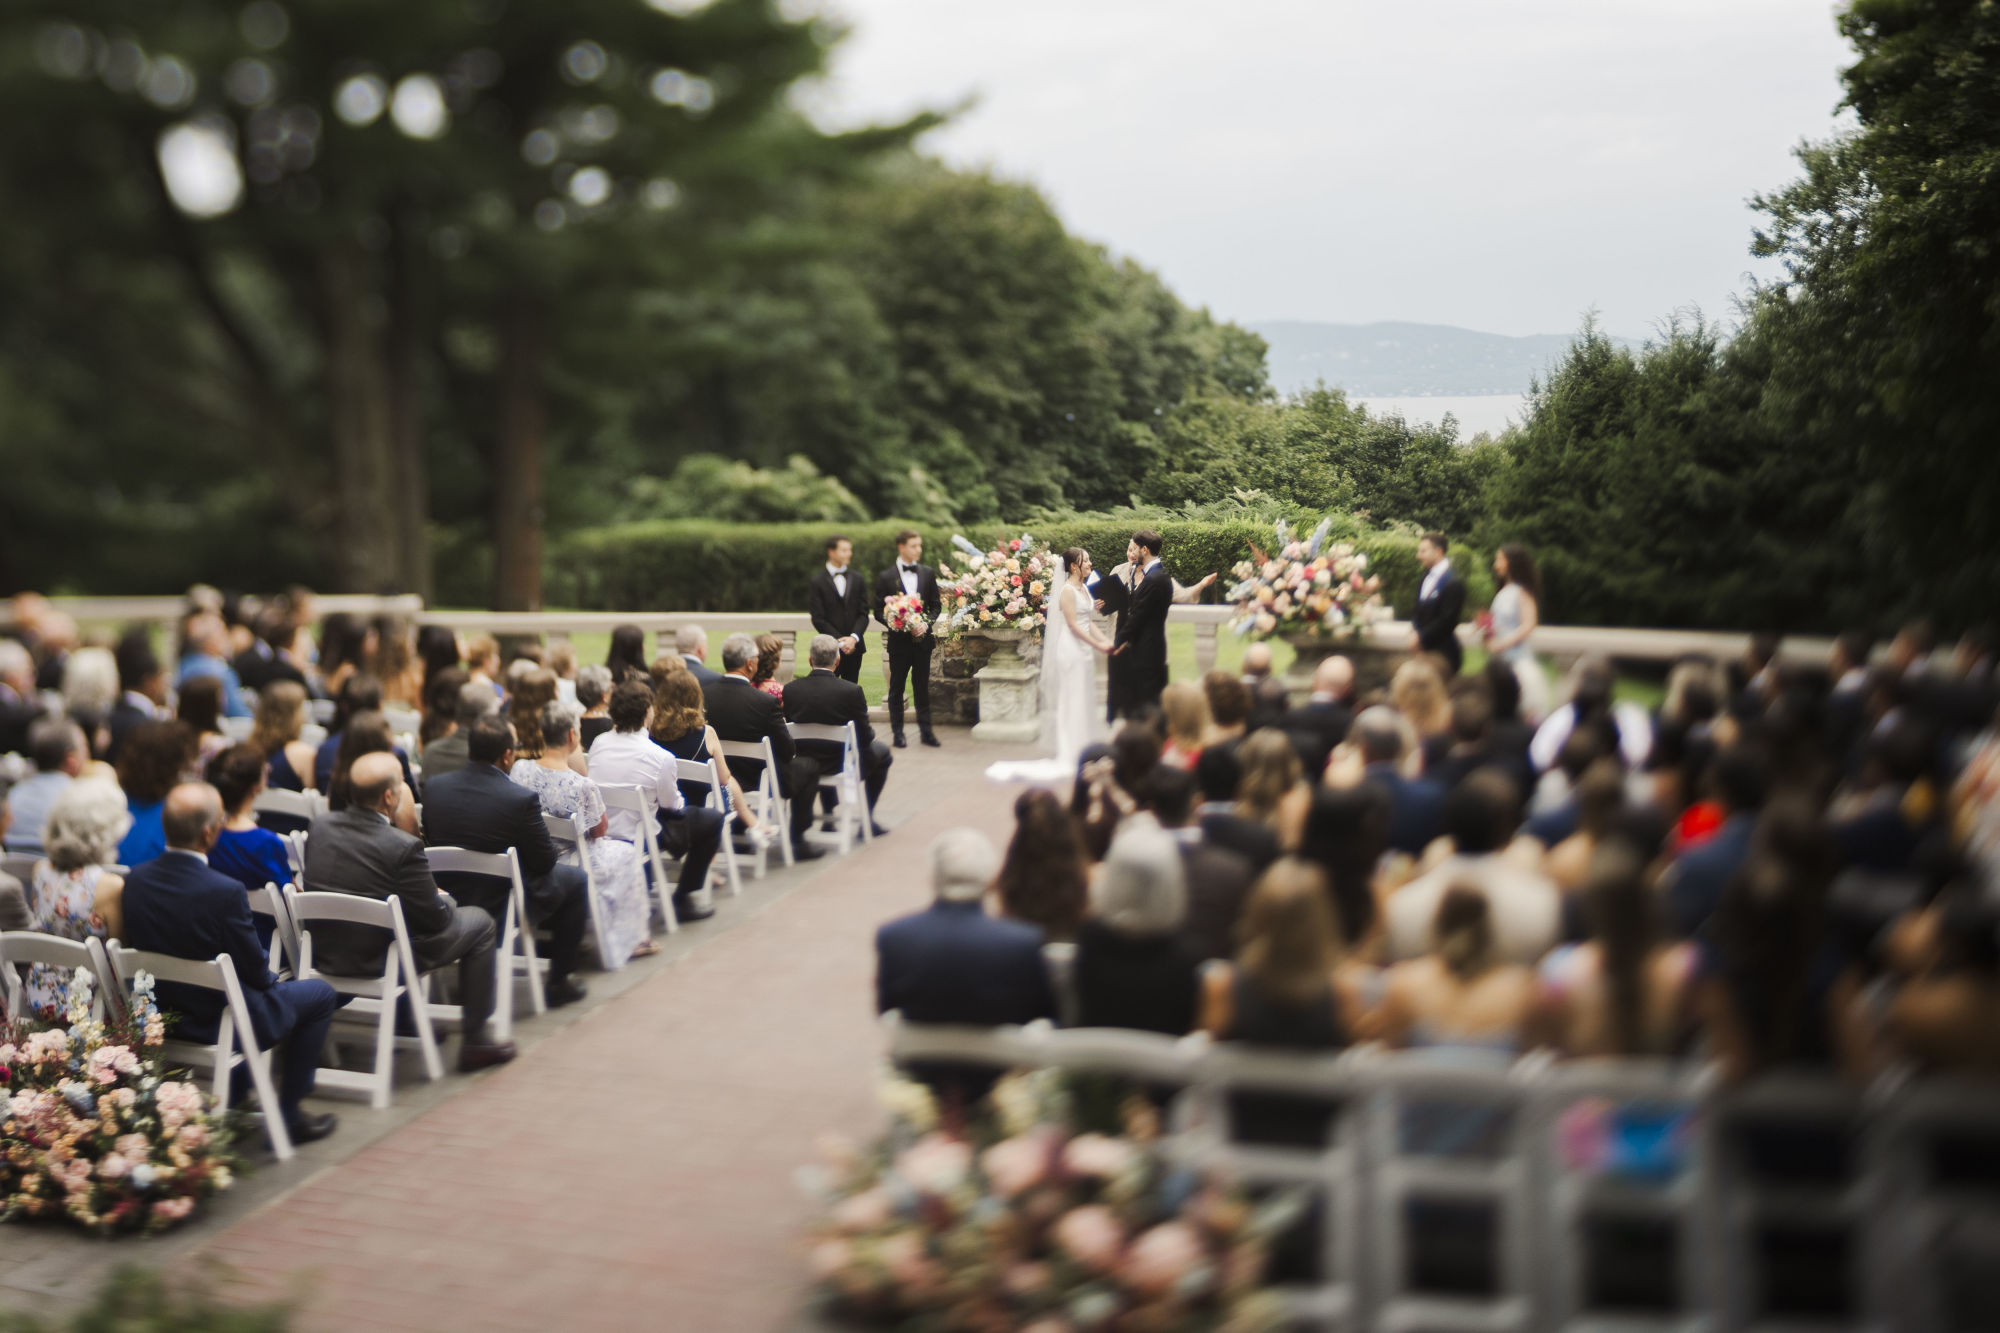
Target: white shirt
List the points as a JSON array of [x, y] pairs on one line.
[[631, 759], [1435, 577], [183, 851], [140, 702], [839, 579], [908, 573]]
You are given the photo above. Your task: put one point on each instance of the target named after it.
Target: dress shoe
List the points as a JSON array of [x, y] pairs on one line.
[[877, 831], [805, 851], [311, 1128], [566, 990], [686, 910], [475, 1056], [931, 741], [899, 742]]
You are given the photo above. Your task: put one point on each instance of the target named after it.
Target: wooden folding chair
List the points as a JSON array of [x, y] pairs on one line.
[[515, 932], [629, 799], [235, 1037], [372, 997]]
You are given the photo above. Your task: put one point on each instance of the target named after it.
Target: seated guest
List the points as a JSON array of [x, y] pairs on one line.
[[952, 963], [1693, 884], [679, 726], [1623, 728], [822, 698], [368, 733], [18, 706], [360, 693], [627, 657], [1045, 878], [1134, 968], [200, 707], [206, 650], [1628, 989], [250, 855], [90, 691], [1600, 797], [59, 750], [1882, 822], [593, 695], [447, 753], [529, 692], [614, 863], [1217, 879], [1552, 808], [691, 642], [1272, 791], [1942, 1017], [154, 757], [72, 894], [480, 810], [1270, 704], [1525, 910], [770, 655], [1417, 691], [359, 851], [1416, 805], [1473, 745], [395, 664], [1220, 773], [1322, 723], [739, 711], [143, 686], [178, 905], [441, 690], [1347, 834], [482, 663], [1228, 710], [1256, 665], [1185, 708], [13, 894], [562, 661], [276, 732], [1108, 785], [438, 652], [1461, 994]]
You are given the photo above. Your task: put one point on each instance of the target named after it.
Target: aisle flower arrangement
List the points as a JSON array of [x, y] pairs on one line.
[[1004, 588], [92, 1129], [904, 613], [1307, 588], [1020, 1222]]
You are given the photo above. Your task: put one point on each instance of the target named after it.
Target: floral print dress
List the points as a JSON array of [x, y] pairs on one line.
[[63, 903], [614, 865]]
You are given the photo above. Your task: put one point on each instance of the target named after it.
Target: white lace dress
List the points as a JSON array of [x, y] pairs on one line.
[[613, 864], [1069, 695]]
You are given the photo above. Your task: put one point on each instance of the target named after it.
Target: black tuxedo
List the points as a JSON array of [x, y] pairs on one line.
[[909, 656], [841, 616], [1139, 673], [824, 699], [1436, 618], [480, 809], [739, 711], [1315, 730], [175, 904]]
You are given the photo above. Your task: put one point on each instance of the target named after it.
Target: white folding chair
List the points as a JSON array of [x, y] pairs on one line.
[[773, 810], [322, 711], [572, 844], [372, 997], [307, 805], [235, 729], [850, 809], [313, 734], [708, 773], [21, 865], [235, 1038], [404, 724], [295, 854], [622, 797], [271, 901], [1059, 958], [515, 932], [19, 947], [1935, 1238]]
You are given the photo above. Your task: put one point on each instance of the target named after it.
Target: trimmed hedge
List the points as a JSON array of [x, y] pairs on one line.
[[700, 565]]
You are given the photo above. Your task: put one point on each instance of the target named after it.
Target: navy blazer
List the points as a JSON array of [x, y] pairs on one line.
[[1695, 881], [175, 904], [481, 809], [704, 674], [1416, 808], [952, 963]]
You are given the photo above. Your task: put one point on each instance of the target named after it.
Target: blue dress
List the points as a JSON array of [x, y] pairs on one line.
[[256, 857], [146, 839], [278, 773]]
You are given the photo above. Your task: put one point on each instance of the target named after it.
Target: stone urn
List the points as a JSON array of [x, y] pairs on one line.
[[1373, 663], [1010, 684]]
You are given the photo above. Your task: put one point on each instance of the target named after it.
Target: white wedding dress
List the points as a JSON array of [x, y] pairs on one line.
[[1069, 694]]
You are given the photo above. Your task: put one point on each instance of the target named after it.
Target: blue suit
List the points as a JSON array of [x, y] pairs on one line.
[[177, 905], [1697, 878], [1416, 808], [952, 963]]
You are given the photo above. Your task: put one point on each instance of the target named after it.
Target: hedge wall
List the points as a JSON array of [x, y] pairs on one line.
[[697, 565]]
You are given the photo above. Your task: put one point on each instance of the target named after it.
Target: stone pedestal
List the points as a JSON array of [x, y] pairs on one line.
[[1010, 687], [1373, 665]]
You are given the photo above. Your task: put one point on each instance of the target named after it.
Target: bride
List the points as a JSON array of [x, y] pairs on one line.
[[1069, 676]]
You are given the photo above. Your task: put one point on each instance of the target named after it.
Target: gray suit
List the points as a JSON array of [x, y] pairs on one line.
[[445, 755], [360, 852]]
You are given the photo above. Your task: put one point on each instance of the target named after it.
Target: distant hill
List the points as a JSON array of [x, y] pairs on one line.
[[1406, 360]]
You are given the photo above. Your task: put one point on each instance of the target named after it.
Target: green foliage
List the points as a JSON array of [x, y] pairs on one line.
[[714, 487], [139, 1300]]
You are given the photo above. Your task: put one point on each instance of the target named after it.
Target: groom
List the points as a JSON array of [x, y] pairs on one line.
[[1139, 651]]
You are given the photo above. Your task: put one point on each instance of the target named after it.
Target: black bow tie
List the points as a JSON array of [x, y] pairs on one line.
[[910, 569]]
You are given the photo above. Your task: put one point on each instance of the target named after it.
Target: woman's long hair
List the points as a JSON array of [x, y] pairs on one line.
[[281, 716], [1271, 771], [1769, 928], [441, 689], [628, 653], [1625, 920], [365, 733], [533, 690], [1346, 834], [1522, 571], [677, 706], [200, 704], [1462, 932], [1044, 878], [1418, 693], [1290, 942]]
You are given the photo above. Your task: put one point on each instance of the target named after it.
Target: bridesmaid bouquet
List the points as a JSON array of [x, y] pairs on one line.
[[1307, 588], [904, 613], [93, 1129], [1004, 588]]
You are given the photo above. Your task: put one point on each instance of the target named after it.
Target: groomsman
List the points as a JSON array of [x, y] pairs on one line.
[[909, 654], [1440, 603], [838, 605]]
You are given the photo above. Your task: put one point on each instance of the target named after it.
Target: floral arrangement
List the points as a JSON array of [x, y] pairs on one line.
[[1022, 1223], [1307, 588], [91, 1127], [904, 613], [1004, 588]]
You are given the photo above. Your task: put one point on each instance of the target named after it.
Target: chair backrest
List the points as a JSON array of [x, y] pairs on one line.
[[819, 731], [21, 865], [757, 750], [1005, 1046], [353, 908], [458, 861], [307, 805], [565, 828], [322, 711], [403, 721], [235, 728], [272, 901], [29, 946]]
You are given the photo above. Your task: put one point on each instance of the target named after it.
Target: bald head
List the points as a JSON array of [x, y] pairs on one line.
[[373, 778], [191, 817], [1257, 660], [1333, 678]]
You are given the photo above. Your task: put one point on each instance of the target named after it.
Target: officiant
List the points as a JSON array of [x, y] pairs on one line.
[[1113, 593], [839, 607]]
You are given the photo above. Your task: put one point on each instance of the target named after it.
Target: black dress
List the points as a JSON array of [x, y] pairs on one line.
[[1259, 1019], [1147, 982], [590, 728]]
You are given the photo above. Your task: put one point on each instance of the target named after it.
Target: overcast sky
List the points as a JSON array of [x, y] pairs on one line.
[[1501, 165]]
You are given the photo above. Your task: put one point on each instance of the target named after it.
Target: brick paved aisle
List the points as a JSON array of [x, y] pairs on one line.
[[636, 1170]]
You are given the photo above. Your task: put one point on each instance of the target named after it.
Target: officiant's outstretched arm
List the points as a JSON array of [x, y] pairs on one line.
[[838, 602]]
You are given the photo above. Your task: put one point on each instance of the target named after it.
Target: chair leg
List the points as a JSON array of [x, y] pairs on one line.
[[267, 1102], [385, 1050]]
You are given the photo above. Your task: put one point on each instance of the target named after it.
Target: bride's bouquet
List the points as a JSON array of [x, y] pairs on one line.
[[1307, 588], [1004, 588], [903, 612]]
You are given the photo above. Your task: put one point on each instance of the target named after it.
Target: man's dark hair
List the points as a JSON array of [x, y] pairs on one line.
[[1228, 698], [235, 772], [630, 705], [51, 742], [836, 539], [137, 662], [1480, 812], [1741, 779], [1438, 540], [905, 535], [1857, 646], [1579, 752], [1219, 774], [1504, 688], [1170, 793], [1149, 539], [488, 740], [1379, 738], [359, 693], [1471, 715]]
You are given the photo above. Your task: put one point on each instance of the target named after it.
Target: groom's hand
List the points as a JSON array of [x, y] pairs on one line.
[[1119, 648]]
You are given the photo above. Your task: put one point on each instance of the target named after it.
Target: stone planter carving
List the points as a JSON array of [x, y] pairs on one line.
[[1010, 684]]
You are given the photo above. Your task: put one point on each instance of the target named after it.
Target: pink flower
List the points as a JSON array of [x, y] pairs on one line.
[[1097, 1156], [864, 1212], [113, 1166], [192, 1137], [1161, 1257], [1027, 1279], [1050, 1325], [134, 1146], [1015, 1166], [1091, 1235], [830, 1257], [909, 1267], [1014, 545], [935, 1164], [173, 1210]]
